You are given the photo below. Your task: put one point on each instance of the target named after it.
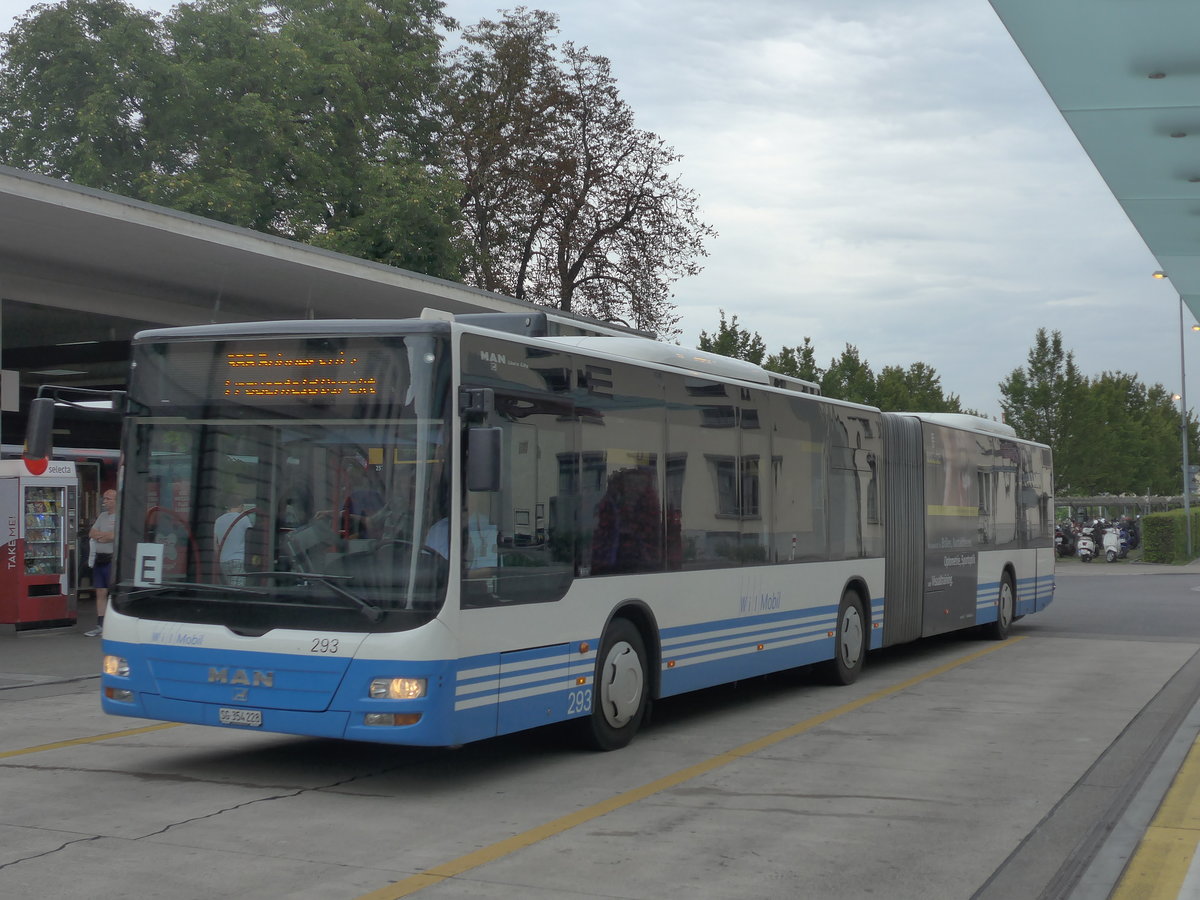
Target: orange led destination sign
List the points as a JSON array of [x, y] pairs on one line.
[[260, 375]]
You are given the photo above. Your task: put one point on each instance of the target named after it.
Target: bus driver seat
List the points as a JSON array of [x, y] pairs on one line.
[[305, 542]]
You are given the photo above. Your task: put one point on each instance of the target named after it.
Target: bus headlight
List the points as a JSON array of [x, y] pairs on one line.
[[397, 688], [116, 665]]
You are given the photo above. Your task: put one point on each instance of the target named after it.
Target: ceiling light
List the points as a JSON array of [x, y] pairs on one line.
[[1159, 274], [58, 372]]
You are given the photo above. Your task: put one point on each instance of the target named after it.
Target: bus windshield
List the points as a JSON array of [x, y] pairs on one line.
[[284, 498]]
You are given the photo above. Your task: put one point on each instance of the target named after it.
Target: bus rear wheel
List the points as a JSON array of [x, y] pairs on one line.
[[850, 641], [1006, 602], [619, 690]]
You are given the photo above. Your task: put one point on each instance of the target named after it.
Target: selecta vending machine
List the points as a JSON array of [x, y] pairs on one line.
[[38, 531]]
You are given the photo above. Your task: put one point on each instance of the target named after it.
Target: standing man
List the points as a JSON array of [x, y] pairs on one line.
[[229, 537], [103, 532]]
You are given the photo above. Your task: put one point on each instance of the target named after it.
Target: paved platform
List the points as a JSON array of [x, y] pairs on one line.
[[53, 655], [65, 655]]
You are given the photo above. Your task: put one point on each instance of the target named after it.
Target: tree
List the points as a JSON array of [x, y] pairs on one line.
[[75, 87], [915, 389], [567, 203], [850, 378], [305, 119], [1044, 401], [733, 341], [798, 362], [1039, 400], [1109, 434], [502, 93]]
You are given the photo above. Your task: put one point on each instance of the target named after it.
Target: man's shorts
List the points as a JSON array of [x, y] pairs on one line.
[[101, 575]]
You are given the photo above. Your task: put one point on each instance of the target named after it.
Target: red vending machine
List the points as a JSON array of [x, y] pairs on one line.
[[38, 555]]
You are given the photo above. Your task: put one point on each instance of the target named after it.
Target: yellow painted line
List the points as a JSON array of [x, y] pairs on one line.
[[1160, 863], [75, 742], [414, 883]]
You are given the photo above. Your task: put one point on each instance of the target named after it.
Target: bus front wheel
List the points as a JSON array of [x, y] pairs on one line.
[[850, 641], [620, 688]]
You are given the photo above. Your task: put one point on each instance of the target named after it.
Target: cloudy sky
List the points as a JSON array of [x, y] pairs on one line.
[[889, 175]]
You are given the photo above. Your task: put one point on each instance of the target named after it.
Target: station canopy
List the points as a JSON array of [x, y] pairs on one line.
[[81, 271], [1126, 77]]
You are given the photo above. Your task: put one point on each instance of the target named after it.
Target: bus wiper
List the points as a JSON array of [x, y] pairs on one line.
[[371, 611], [193, 586]]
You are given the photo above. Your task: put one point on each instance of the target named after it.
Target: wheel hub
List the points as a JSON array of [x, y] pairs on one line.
[[621, 686], [852, 637]]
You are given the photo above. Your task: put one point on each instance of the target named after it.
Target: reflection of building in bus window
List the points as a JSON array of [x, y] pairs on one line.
[[958, 469], [480, 541], [628, 535]]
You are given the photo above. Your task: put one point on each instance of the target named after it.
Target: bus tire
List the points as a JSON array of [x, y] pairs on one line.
[[1006, 602], [849, 642], [620, 688]]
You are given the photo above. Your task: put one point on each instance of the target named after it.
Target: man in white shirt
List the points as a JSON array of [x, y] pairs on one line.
[[229, 536]]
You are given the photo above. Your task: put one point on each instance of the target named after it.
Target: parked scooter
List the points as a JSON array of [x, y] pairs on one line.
[[1112, 544], [1085, 547]]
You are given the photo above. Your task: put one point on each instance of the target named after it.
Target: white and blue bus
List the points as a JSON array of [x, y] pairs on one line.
[[445, 529]]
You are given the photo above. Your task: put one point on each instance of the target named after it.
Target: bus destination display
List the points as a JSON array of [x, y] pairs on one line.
[[279, 375]]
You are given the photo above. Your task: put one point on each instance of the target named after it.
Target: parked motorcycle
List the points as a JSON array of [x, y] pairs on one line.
[[1064, 541]]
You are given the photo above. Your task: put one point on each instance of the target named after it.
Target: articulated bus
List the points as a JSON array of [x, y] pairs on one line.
[[437, 530]]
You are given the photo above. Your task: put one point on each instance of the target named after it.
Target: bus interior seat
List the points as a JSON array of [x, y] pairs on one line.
[[303, 544]]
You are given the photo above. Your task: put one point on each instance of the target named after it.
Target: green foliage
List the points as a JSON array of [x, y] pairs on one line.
[[733, 341], [1109, 434], [1041, 400], [77, 80], [798, 362], [850, 378], [915, 389], [305, 119], [1164, 536]]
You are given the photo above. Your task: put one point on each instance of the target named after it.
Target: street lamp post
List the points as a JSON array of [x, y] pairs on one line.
[[1183, 430], [1183, 425]]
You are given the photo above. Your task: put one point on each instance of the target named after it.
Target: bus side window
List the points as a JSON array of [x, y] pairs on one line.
[[798, 480], [513, 550], [621, 442]]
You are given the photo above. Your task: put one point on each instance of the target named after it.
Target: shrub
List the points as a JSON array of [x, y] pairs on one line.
[[1164, 536]]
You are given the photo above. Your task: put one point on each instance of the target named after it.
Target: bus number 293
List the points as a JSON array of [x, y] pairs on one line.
[[579, 702]]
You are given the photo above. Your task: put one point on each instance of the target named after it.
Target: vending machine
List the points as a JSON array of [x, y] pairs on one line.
[[39, 529]]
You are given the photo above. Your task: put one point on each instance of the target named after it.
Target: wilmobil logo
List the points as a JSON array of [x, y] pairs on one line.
[[251, 678]]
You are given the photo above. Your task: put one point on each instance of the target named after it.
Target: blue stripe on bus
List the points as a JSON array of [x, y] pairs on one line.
[[1034, 592]]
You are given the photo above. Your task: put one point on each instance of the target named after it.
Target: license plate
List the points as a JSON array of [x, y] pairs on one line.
[[249, 717]]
